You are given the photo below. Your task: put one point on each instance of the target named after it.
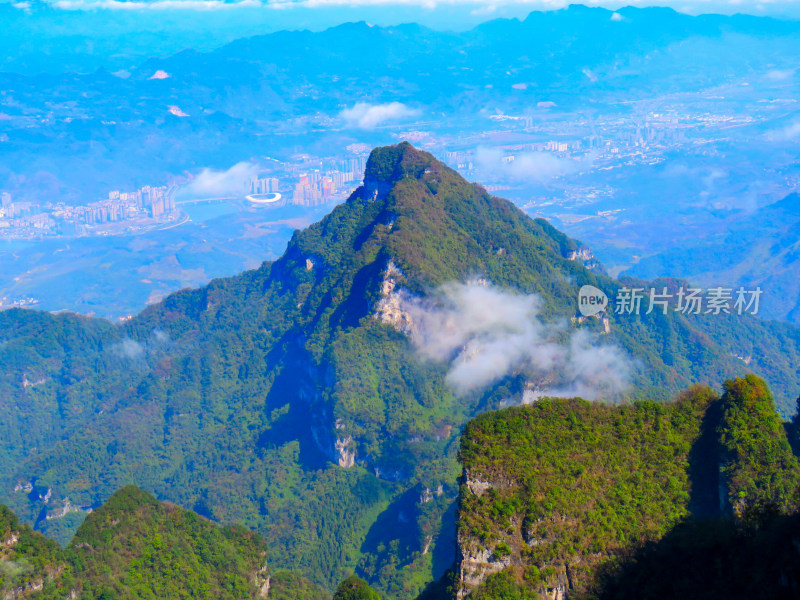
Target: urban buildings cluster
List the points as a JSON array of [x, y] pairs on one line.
[[143, 207], [147, 201], [315, 187], [266, 185], [311, 181]]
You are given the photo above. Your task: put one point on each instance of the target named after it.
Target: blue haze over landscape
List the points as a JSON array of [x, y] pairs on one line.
[[399, 299]]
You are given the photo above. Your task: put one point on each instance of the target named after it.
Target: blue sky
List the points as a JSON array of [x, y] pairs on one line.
[[486, 8]]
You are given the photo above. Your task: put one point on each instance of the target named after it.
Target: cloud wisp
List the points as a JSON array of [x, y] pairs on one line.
[[525, 167], [214, 183], [485, 333], [155, 5], [364, 115], [133, 350], [477, 7], [789, 133]]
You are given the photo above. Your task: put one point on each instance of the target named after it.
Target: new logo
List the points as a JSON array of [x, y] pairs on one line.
[[591, 301]]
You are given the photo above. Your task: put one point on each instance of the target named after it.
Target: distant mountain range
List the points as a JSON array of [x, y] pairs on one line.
[[319, 399], [43, 38], [759, 248], [286, 91], [76, 132]]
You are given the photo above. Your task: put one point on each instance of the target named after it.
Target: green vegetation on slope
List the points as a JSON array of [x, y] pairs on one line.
[[762, 473], [710, 560], [355, 588], [30, 563], [569, 481], [582, 498], [136, 548]]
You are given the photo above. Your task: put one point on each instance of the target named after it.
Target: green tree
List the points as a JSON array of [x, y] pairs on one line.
[[355, 588]]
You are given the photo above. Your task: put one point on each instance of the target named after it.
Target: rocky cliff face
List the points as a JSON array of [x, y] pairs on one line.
[[261, 583], [585, 256], [390, 308], [476, 561], [480, 558]]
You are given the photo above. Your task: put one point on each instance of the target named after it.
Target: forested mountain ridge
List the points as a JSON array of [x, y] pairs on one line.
[[289, 399], [29, 562], [134, 547], [697, 498]]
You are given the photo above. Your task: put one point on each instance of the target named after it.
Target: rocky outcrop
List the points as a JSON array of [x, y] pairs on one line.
[[475, 565], [601, 316], [262, 581], [26, 383], [392, 307], [345, 453], [479, 558], [427, 494], [477, 487], [475, 561], [23, 591], [389, 474], [585, 256], [375, 189], [581, 254], [25, 487], [66, 508]]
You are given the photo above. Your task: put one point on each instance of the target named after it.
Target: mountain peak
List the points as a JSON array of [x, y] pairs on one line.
[[432, 223], [389, 164]]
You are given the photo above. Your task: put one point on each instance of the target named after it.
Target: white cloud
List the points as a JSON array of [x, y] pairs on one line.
[[426, 4], [364, 115], [485, 10], [358, 148], [525, 167], [486, 333], [22, 5], [128, 348], [779, 75], [789, 133], [617, 17], [135, 5], [591, 372], [131, 349], [482, 7], [176, 110], [216, 183]]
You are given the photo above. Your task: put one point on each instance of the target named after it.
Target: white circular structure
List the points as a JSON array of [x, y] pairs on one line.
[[265, 199]]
